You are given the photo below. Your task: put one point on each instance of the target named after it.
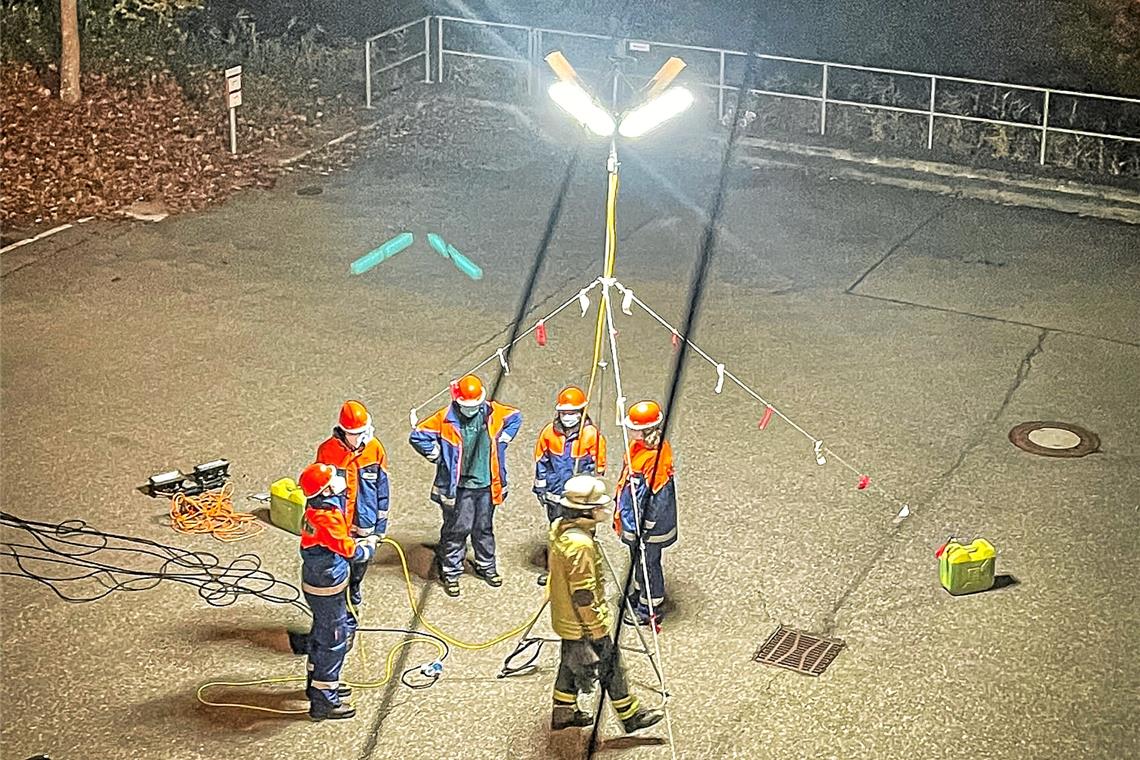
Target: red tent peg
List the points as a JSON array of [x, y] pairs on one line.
[[864, 481], [454, 389], [540, 333], [763, 423]]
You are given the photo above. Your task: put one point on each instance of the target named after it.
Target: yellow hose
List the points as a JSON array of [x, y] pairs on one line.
[[389, 661]]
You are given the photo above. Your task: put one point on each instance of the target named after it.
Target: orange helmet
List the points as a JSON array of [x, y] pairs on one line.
[[643, 415], [469, 391], [354, 418], [316, 478], [570, 398]]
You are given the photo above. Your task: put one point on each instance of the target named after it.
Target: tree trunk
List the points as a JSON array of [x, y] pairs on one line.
[[69, 56]]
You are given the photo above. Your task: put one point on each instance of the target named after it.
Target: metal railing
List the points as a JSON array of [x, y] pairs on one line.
[[370, 43], [532, 43]]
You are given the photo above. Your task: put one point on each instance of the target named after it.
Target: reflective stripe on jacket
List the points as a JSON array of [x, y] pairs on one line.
[[365, 471], [438, 439], [326, 546], [555, 462], [657, 510]]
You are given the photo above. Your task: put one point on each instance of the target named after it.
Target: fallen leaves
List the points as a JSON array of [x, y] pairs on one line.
[[118, 146]]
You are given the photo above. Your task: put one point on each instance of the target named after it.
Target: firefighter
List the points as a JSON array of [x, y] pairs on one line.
[[648, 526], [581, 617], [360, 459], [327, 549], [569, 445], [467, 441]]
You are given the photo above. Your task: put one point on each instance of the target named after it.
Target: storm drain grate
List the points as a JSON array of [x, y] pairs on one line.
[[800, 651]]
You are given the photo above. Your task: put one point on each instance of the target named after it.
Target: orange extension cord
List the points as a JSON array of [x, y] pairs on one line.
[[212, 512]]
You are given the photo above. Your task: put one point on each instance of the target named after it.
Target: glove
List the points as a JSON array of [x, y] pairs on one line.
[[369, 543]]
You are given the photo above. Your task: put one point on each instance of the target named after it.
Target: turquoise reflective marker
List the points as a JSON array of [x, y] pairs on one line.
[[464, 264], [384, 252], [436, 242]]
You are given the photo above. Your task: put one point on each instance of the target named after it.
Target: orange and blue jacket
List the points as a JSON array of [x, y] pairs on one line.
[[657, 506], [365, 471], [555, 462], [327, 548], [438, 440]]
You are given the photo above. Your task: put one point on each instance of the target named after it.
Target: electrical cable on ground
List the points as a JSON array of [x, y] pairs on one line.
[[213, 512]]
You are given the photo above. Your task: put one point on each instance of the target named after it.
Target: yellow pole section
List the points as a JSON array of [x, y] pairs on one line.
[[608, 264]]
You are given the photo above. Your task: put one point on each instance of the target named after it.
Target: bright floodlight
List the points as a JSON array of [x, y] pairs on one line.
[[648, 116], [577, 102]]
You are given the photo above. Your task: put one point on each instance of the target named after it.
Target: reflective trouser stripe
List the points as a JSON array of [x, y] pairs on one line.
[[564, 698], [330, 685], [663, 538], [626, 707], [325, 590]]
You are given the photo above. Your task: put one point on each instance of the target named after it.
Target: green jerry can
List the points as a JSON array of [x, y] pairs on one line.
[[286, 505], [966, 568]]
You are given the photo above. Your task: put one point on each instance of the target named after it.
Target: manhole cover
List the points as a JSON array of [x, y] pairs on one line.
[[795, 650], [1054, 439], [310, 190]]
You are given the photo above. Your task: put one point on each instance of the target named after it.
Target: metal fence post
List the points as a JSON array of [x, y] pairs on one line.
[[1044, 126], [930, 127], [720, 90], [368, 73], [530, 56], [427, 49], [539, 59], [823, 104], [439, 42]]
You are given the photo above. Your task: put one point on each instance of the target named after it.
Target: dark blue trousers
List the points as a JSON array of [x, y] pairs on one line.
[[327, 647], [637, 597], [472, 516], [355, 577]]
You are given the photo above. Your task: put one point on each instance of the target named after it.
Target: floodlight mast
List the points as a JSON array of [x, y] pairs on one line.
[[660, 104]]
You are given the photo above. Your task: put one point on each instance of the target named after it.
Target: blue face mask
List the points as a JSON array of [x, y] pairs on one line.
[[467, 412]]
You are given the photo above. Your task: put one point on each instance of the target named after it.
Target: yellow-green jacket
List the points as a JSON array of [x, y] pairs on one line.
[[576, 577]]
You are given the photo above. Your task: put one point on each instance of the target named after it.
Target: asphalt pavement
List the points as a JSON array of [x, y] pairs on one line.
[[908, 331]]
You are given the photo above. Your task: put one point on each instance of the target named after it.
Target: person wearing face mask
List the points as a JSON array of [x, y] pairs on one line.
[[360, 459], [467, 441], [327, 549], [647, 524], [570, 445], [581, 617]]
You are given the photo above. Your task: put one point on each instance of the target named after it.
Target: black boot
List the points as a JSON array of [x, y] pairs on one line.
[[330, 712], [450, 587], [344, 692], [565, 716], [492, 578], [642, 719]]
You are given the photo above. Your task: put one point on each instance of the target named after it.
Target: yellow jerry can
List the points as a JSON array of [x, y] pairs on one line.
[[966, 568], [286, 505]]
